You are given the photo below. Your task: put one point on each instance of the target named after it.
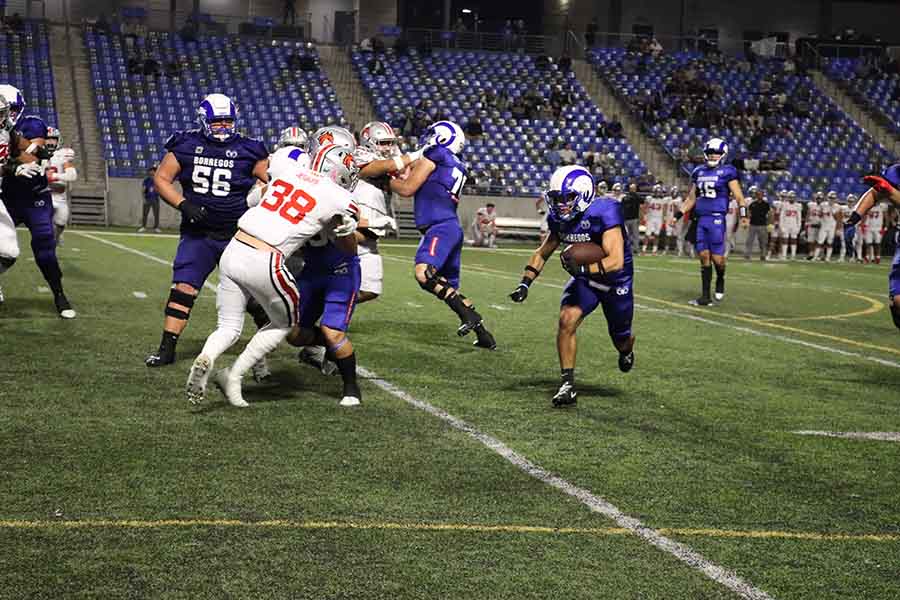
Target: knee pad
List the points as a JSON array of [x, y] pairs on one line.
[[176, 296], [6, 263], [432, 281]]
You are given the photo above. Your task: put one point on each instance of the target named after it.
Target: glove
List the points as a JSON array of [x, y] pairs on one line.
[[391, 223], [67, 154], [520, 293], [347, 226], [879, 183], [568, 266], [194, 214], [29, 170], [678, 214]]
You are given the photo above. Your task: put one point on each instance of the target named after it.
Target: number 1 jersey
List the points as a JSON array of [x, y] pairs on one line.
[[217, 175], [712, 188], [295, 208]]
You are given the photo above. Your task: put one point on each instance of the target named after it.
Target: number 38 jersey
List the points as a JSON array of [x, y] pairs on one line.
[[437, 199], [712, 188], [296, 208], [217, 175]]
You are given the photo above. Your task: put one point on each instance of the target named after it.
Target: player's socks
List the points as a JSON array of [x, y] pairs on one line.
[[231, 387], [468, 316], [263, 341], [258, 313], [485, 339], [347, 368], [63, 307], [793, 251], [720, 282], [566, 394], [706, 281]]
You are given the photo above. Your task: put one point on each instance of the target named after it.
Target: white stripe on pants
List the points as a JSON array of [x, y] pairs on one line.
[[9, 244]]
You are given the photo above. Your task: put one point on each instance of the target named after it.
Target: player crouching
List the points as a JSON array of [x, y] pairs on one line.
[[599, 260]]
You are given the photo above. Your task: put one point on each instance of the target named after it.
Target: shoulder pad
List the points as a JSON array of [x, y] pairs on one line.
[[177, 138], [255, 147]]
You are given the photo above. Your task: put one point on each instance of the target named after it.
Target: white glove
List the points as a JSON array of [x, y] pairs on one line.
[[29, 170], [67, 154], [347, 226], [383, 222]]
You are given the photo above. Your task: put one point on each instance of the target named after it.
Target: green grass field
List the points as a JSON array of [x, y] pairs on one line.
[[113, 487]]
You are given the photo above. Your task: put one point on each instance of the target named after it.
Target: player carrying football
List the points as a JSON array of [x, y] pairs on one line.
[[708, 198], [886, 187], [216, 167], [602, 276]]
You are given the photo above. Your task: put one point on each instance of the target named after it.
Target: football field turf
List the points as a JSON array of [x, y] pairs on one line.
[[114, 487]]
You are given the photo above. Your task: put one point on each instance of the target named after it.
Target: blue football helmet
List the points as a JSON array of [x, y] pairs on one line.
[[892, 174], [715, 146], [571, 192], [16, 101], [446, 134], [217, 116]]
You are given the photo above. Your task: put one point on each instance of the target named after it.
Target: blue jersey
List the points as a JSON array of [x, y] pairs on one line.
[[322, 257], [438, 198], [602, 214], [217, 175], [711, 184], [28, 127]]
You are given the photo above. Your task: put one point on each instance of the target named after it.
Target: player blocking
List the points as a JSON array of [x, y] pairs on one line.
[[598, 256]]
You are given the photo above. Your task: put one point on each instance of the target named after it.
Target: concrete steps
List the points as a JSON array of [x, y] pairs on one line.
[[649, 150], [335, 61]]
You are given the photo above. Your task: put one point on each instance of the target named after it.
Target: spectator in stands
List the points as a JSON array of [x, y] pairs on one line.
[[631, 207], [590, 33], [308, 63], [590, 157], [487, 98], [151, 202], [553, 157], [543, 62], [101, 25], [614, 128], [567, 156], [533, 103], [290, 11], [173, 69], [565, 62], [135, 65], [473, 128], [401, 46], [375, 66], [460, 26], [151, 66], [189, 31], [483, 182], [789, 67], [654, 48], [518, 109]]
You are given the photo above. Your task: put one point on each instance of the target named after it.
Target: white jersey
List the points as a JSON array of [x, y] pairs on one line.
[[827, 212], [875, 217], [655, 208], [789, 215], [373, 209], [57, 164], [485, 221], [732, 214], [295, 208], [4, 149], [814, 213]]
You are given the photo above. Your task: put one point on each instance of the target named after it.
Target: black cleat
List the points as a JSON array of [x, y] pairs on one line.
[[160, 359], [626, 361], [63, 307], [701, 301], [485, 339], [566, 396], [472, 321]]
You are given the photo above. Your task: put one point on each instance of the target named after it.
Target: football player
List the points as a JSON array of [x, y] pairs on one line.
[[577, 217], [731, 222], [436, 182], [875, 232], [813, 223], [296, 205], [791, 216], [708, 199], [616, 194], [484, 227], [884, 188], [774, 231], [9, 243], [828, 206], [217, 168], [845, 235], [655, 215], [60, 171], [26, 193]]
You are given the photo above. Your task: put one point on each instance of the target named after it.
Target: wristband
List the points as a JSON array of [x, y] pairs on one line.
[[678, 215], [526, 282], [855, 218], [530, 269], [743, 212]]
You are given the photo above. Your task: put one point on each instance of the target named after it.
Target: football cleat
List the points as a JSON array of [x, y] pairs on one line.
[[566, 395], [350, 401], [231, 387], [701, 301], [197, 378], [719, 296], [160, 359], [260, 370], [63, 307], [626, 361], [315, 356], [2, 297], [352, 395], [485, 339], [472, 321]]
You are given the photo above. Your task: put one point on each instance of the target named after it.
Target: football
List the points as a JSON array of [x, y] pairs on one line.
[[584, 253]]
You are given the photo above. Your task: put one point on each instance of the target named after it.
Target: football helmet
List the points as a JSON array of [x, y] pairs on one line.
[[16, 102], [288, 160], [832, 196], [673, 190], [715, 146], [53, 139], [753, 189], [792, 196], [293, 136], [446, 134], [331, 135], [217, 116], [4, 113], [819, 196], [378, 137], [617, 188], [602, 188], [336, 163], [658, 191], [851, 200], [571, 192]]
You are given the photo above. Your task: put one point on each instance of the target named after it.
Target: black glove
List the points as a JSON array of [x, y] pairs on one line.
[[195, 214], [855, 218], [520, 293], [678, 214], [568, 266]]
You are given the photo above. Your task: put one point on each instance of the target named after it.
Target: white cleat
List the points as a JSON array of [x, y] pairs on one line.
[[719, 296], [260, 370], [197, 378], [231, 387], [2, 297], [68, 314], [350, 401]]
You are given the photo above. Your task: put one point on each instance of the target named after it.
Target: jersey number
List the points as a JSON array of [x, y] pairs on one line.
[[290, 204], [459, 180], [708, 189], [220, 179]]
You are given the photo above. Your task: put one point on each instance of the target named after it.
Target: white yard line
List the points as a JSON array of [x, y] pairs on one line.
[[881, 436], [597, 504]]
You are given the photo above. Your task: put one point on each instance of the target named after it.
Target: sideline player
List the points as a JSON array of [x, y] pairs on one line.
[[886, 187], [484, 227], [576, 216], [874, 232], [708, 199], [436, 181], [296, 205], [813, 223], [61, 173], [26, 193], [655, 214], [791, 216], [216, 167]]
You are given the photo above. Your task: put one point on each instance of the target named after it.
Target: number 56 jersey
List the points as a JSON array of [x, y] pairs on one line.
[[712, 188], [217, 175], [295, 208]]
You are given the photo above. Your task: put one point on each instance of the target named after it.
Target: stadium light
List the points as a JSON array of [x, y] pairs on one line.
[[467, 11]]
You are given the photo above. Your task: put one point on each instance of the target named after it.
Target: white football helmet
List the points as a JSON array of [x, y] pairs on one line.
[[658, 191], [792, 196], [602, 188], [53, 139], [715, 147], [674, 191], [571, 192], [16, 102], [446, 134], [331, 135], [288, 159], [379, 137], [293, 136], [336, 163], [217, 116], [851, 200], [832, 196], [617, 188]]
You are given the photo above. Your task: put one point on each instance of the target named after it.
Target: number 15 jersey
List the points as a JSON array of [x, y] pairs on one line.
[[437, 199], [712, 188], [217, 175], [295, 208]]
